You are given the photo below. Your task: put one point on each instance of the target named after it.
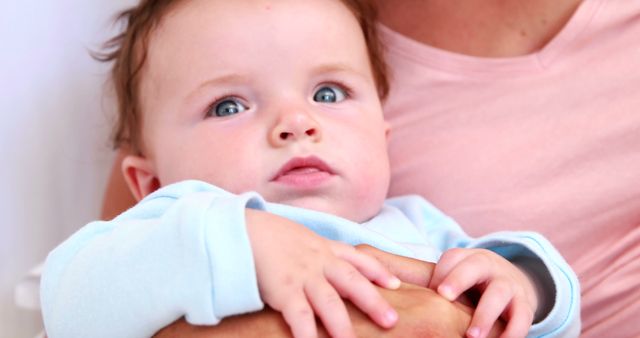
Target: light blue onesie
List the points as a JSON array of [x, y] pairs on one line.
[[184, 251]]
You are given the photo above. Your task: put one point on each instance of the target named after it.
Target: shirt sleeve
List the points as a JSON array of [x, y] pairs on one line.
[[555, 278], [557, 282], [182, 251]]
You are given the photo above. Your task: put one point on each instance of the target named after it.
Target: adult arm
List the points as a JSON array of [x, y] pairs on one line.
[[422, 313], [416, 307]]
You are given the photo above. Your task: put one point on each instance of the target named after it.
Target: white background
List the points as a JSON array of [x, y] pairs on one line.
[[55, 115]]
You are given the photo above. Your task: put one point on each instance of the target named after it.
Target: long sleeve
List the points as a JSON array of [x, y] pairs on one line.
[[182, 251], [555, 277]]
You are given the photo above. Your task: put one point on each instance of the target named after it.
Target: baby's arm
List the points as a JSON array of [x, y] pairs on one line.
[[557, 287], [556, 284], [302, 274], [184, 251], [506, 291], [180, 252]]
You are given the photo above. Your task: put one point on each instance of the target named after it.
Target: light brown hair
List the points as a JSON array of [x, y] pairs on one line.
[[128, 52]]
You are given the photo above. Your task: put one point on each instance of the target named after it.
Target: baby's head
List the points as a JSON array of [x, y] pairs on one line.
[[281, 97]]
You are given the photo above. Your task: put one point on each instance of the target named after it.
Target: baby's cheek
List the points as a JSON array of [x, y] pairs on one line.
[[228, 178], [244, 182], [370, 195]]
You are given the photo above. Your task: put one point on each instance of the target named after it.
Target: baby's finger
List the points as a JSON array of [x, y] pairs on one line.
[[520, 320], [355, 287], [408, 270], [328, 305], [300, 317], [471, 271], [447, 262], [492, 304], [369, 266]]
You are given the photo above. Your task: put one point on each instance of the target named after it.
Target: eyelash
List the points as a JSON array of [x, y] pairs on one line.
[[347, 90], [219, 99]]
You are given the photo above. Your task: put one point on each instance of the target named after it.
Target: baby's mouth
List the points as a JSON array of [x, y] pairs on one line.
[[304, 172]]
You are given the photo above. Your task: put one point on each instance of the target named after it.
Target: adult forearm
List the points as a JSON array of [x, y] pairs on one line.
[[422, 313], [267, 322]]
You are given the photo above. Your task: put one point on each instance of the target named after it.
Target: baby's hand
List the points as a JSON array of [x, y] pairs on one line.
[[506, 290], [302, 274]]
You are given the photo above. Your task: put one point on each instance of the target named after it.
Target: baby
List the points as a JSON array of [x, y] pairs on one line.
[[246, 119]]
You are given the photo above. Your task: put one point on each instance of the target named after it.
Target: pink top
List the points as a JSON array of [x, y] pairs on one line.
[[547, 142]]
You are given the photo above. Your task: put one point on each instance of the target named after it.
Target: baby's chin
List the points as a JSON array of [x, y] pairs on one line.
[[354, 211]]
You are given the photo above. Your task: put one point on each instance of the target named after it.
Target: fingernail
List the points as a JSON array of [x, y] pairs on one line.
[[390, 317], [473, 332], [393, 283], [447, 292]]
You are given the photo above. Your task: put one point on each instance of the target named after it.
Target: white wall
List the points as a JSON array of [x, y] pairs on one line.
[[54, 120]]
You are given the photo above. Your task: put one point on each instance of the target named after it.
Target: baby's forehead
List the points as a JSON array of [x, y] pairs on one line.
[[296, 12], [189, 28]]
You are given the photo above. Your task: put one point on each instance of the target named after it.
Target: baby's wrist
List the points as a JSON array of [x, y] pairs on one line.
[[541, 283]]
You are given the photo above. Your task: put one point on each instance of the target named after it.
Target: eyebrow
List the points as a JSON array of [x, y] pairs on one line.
[[239, 78], [337, 68], [225, 78]]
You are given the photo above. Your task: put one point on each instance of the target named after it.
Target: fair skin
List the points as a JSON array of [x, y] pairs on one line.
[[490, 28], [452, 320], [302, 125], [282, 142], [411, 300]]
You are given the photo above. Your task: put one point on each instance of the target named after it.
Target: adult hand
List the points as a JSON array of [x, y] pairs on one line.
[[423, 313]]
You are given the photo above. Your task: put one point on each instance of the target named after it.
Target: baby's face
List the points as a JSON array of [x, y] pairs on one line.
[[270, 96]]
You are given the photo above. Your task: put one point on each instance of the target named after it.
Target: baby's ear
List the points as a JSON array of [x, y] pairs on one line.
[[140, 176]]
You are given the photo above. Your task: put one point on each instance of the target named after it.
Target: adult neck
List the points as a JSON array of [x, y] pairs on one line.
[[486, 28]]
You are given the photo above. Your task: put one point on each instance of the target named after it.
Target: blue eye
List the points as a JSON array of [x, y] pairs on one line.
[[329, 94], [227, 107]]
